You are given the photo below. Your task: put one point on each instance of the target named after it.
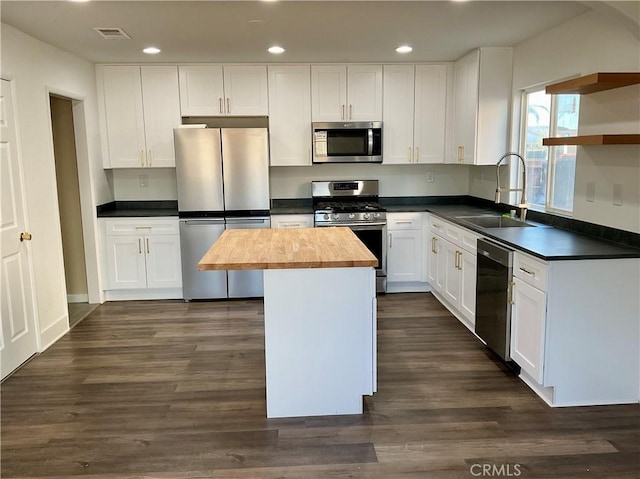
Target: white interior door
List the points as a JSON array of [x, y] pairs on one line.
[[18, 341]]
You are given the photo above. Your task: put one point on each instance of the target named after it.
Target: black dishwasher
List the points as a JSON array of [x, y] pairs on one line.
[[493, 302]]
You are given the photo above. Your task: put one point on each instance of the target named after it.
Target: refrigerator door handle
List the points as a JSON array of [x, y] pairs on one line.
[[203, 222], [246, 220]]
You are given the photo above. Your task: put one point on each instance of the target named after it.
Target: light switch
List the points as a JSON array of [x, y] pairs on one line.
[[430, 177], [143, 180], [591, 192], [617, 194]]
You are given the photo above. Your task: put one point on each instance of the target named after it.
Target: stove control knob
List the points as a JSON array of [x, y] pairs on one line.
[[376, 215], [366, 216], [336, 216], [326, 216], [351, 216]]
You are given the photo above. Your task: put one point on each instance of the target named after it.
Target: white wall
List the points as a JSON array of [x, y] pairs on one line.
[[397, 180], [590, 43], [295, 182], [37, 68], [161, 184]]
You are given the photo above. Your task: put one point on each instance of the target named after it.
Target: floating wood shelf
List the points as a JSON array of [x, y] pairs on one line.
[[593, 140], [594, 83]]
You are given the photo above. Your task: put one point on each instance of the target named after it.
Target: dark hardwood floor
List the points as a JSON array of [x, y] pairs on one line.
[[171, 390]]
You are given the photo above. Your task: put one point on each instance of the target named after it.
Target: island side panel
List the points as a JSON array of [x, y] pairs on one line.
[[319, 340]]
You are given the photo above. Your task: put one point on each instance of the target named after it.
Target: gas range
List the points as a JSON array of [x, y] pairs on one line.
[[352, 202]]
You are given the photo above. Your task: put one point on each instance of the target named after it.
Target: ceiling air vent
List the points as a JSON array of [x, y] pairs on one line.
[[112, 33]]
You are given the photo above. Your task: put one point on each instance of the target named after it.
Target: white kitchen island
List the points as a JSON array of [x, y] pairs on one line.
[[320, 315]]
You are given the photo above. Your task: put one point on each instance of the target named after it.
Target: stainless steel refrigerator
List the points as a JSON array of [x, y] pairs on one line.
[[223, 183]]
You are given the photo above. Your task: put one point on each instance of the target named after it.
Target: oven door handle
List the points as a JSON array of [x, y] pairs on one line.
[[368, 226]]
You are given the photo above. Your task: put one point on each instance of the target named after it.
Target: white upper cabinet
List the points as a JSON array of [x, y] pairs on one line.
[[290, 115], [346, 93], [415, 101], [201, 90], [482, 93], [140, 107], [216, 90]]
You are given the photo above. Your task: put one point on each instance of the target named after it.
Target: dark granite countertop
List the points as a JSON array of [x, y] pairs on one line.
[[133, 209], [552, 237], [540, 240]]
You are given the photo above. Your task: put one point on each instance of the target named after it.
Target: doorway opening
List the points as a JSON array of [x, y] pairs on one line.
[[68, 186]]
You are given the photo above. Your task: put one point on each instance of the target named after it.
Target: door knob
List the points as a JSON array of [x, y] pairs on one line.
[[25, 236]]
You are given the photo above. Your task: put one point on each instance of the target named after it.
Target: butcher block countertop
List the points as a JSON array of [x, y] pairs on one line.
[[287, 248]]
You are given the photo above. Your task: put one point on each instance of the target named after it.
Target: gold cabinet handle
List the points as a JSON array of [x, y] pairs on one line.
[[228, 105], [530, 273], [147, 245], [410, 155], [25, 236], [342, 112], [390, 240], [220, 106], [461, 154], [350, 112], [141, 157], [433, 244], [139, 246], [149, 158], [417, 155], [513, 285]]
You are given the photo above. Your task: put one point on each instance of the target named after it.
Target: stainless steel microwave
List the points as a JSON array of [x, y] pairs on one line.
[[347, 142]]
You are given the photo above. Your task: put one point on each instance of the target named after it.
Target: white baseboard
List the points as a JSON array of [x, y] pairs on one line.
[[77, 298], [143, 294], [408, 287], [53, 332]]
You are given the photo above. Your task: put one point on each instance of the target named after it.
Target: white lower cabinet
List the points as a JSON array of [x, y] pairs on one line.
[[574, 329], [142, 259], [451, 269], [528, 314], [406, 265], [292, 221]]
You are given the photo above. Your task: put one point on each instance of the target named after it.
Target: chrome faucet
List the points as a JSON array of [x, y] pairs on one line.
[[523, 199]]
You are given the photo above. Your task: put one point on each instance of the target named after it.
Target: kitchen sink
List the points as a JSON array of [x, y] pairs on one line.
[[493, 221]]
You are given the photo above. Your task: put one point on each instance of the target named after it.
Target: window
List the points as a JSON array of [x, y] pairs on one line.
[[550, 170]]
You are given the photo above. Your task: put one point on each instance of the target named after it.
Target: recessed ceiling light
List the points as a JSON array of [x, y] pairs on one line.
[[151, 50], [275, 49], [404, 49]]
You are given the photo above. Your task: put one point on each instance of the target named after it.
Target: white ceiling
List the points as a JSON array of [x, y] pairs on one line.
[[311, 31]]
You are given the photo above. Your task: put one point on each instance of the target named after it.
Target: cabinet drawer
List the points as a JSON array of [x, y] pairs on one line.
[[530, 270], [447, 230], [437, 225], [469, 240], [148, 226], [292, 221], [404, 221]]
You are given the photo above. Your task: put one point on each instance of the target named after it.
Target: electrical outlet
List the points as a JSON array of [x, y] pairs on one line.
[[430, 177], [143, 181]]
